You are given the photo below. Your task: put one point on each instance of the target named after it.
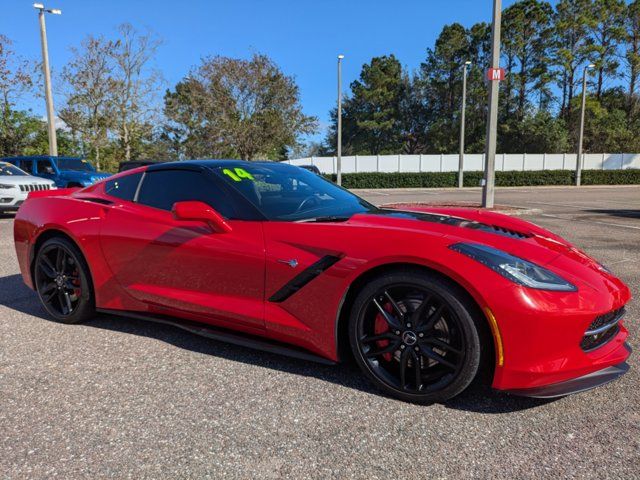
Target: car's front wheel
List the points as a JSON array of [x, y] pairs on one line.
[[415, 336], [62, 280]]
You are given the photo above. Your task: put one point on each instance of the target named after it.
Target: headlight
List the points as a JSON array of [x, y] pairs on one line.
[[5, 186], [514, 268]]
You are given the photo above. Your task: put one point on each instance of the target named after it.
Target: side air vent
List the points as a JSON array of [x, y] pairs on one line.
[[101, 201], [304, 277]]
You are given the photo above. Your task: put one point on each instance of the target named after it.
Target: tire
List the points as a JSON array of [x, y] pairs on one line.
[[416, 336], [64, 282]]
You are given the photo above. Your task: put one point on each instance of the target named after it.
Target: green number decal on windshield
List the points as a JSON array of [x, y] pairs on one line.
[[237, 174]]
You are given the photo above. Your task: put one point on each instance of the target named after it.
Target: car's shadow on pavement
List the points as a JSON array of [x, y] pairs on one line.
[[477, 398], [618, 212]]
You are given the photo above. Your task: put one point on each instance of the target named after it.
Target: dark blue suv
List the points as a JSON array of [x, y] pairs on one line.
[[64, 171]]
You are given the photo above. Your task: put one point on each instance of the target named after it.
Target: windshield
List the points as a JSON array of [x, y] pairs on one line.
[[75, 164], [288, 193], [8, 169]]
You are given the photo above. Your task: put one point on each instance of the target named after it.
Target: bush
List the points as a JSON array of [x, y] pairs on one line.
[[472, 179]]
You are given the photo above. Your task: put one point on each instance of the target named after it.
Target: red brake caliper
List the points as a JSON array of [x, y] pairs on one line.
[[381, 326]]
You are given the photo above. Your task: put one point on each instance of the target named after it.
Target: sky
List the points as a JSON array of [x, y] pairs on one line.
[[303, 37]]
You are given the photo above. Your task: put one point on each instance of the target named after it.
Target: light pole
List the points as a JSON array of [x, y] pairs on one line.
[[53, 143], [492, 119], [339, 132], [581, 135], [462, 112]]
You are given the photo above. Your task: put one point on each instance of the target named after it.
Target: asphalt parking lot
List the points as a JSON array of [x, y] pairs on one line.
[[123, 398]]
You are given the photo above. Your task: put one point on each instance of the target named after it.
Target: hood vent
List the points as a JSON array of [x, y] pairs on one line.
[[456, 222], [499, 230]]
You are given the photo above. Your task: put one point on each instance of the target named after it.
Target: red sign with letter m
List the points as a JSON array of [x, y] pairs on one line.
[[495, 74]]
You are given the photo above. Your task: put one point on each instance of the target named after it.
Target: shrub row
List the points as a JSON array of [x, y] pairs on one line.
[[472, 179]]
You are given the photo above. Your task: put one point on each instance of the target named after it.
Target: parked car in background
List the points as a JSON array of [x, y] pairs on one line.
[[16, 184], [65, 172], [130, 165], [311, 168]]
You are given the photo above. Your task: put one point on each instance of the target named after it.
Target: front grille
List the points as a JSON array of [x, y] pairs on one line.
[[602, 329], [32, 187]]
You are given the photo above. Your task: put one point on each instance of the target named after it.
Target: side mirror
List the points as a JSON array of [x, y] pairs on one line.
[[200, 212]]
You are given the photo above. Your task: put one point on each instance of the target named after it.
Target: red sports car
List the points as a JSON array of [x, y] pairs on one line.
[[272, 256]]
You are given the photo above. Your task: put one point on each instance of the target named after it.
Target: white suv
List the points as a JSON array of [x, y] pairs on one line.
[[16, 184]]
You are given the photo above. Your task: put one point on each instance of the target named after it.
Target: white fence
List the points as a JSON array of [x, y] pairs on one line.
[[472, 161]]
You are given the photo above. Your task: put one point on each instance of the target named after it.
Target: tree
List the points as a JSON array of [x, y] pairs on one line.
[[527, 32], [413, 117], [39, 142], [606, 126], [371, 114], [237, 108], [89, 108], [606, 31], [569, 46], [440, 83], [16, 128], [135, 88], [477, 95], [544, 133], [632, 53]]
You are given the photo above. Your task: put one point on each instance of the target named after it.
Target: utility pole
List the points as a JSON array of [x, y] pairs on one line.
[[339, 133], [462, 120], [581, 136], [53, 143], [488, 188]]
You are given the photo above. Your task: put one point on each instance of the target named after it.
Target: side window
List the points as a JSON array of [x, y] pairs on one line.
[[26, 165], [44, 166], [162, 188], [123, 187]]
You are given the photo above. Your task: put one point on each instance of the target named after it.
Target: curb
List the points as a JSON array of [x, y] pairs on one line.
[[513, 210]]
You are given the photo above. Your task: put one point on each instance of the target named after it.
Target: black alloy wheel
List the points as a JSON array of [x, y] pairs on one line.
[[62, 281], [415, 336]]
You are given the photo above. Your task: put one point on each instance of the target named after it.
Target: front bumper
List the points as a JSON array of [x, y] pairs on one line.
[[542, 335], [576, 385], [11, 199]]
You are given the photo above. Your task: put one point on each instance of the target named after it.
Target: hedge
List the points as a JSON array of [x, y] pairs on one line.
[[472, 179]]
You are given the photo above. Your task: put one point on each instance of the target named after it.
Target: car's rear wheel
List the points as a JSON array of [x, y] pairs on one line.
[[62, 280], [415, 336]]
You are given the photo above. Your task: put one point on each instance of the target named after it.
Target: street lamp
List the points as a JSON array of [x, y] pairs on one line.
[[579, 159], [53, 144], [462, 111], [339, 132]]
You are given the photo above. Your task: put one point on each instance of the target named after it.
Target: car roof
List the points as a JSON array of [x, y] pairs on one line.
[[186, 164], [39, 157]]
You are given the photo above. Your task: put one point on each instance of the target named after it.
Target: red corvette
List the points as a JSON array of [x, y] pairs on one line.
[[275, 257]]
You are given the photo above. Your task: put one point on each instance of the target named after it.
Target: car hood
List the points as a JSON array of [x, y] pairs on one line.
[[510, 234], [24, 179], [87, 176]]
